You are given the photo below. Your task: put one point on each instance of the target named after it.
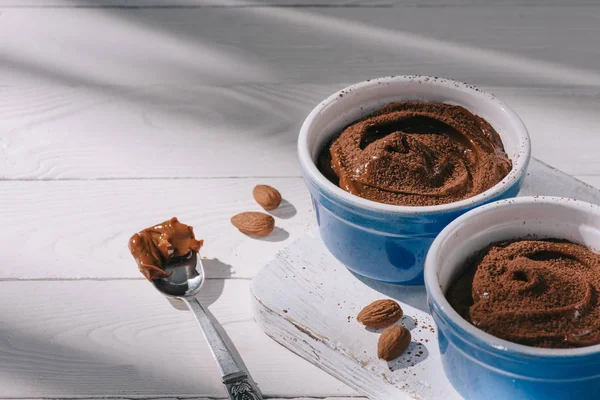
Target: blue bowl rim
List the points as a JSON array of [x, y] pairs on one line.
[[334, 192], [492, 343]]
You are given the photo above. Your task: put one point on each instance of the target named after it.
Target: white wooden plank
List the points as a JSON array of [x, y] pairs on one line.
[[80, 229], [493, 45], [307, 301], [123, 339], [142, 114], [58, 132], [288, 3], [52, 132]]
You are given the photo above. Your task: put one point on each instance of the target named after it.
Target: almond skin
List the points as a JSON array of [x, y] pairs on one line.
[[393, 342], [254, 223], [380, 313], [267, 196]]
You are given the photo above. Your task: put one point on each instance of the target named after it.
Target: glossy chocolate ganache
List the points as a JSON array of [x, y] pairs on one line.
[[541, 293], [416, 153], [155, 247]]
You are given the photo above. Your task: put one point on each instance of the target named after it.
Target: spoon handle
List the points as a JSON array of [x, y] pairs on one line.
[[236, 379]]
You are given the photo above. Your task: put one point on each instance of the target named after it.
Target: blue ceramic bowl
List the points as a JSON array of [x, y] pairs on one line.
[[387, 242], [479, 365]]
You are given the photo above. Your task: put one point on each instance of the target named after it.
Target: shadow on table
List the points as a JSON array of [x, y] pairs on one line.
[[103, 361], [414, 296], [414, 354], [406, 321], [35, 364], [216, 272], [285, 210], [278, 235]]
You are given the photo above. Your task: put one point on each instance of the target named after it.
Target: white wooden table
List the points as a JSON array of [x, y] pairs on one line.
[[115, 114]]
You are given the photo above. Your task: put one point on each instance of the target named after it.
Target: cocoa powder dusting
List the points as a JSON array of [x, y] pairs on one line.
[[416, 153], [541, 293]]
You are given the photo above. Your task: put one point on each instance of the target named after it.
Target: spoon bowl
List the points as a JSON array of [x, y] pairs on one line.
[[186, 279]]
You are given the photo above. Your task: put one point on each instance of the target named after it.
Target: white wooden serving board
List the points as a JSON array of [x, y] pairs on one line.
[[307, 301]]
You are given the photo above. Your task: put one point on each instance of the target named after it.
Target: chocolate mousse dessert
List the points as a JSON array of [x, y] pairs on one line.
[[541, 293], [155, 247], [416, 153]]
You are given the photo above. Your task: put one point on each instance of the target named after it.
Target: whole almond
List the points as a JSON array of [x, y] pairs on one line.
[[254, 223], [267, 196], [393, 342], [380, 313]]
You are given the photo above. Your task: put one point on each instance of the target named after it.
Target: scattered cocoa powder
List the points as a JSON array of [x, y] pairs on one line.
[[542, 293], [416, 153]]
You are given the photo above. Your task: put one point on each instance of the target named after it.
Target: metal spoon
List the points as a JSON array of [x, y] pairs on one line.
[[184, 283]]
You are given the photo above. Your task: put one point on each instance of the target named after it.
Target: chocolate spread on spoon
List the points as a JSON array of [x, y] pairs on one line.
[[156, 246], [541, 293], [416, 153]]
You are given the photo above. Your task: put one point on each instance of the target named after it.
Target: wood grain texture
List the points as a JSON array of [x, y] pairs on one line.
[[308, 301], [163, 131], [482, 45], [80, 229], [287, 3], [217, 89], [57, 131], [65, 339], [188, 96]]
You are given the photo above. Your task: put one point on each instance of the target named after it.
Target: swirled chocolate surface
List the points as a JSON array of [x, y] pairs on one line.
[[155, 247], [416, 153], [540, 293]]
